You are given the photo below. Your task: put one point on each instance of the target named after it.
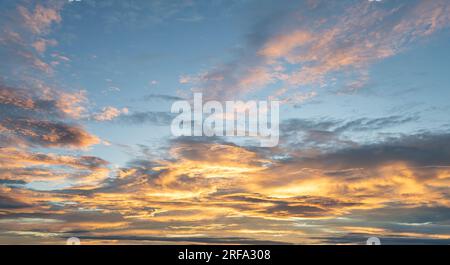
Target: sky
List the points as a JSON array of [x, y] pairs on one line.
[[86, 150]]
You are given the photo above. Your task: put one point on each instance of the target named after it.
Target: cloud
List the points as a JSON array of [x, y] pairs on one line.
[[187, 239], [416, 150], [362, 35], [9, 182], [162, 97], [124, 115], [321, 184], [207, 186], [41, 44], [41, 100], [20, 166], [24, 40], [307, 47], [7, 203], [47, 133], [365, 124], [282, 45], [109, 113], [335, 134], [12, 157], [202, 174], [60, 57], [40, 19], [412, 239], [151, 117], [32, 117]]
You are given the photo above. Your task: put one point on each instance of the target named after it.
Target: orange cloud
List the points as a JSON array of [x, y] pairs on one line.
[[109, 113], [39, 20], [209, 189]]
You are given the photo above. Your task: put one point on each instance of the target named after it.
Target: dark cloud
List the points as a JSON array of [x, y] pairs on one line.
[[30, 117], [7, 203], [325, 133], [19, 102], [12, 182], [365, 124], [301, 206], [148, 117], [412, 215], [417, 150], [48, 133], [357, 238], [162, 97], [209, 240]]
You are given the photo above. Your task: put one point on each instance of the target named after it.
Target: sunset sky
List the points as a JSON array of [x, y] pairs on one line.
[[86, 149]]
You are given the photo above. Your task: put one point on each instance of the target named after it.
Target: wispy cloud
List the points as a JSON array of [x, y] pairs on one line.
[[39, 20], [109, 113], [308, 48]]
